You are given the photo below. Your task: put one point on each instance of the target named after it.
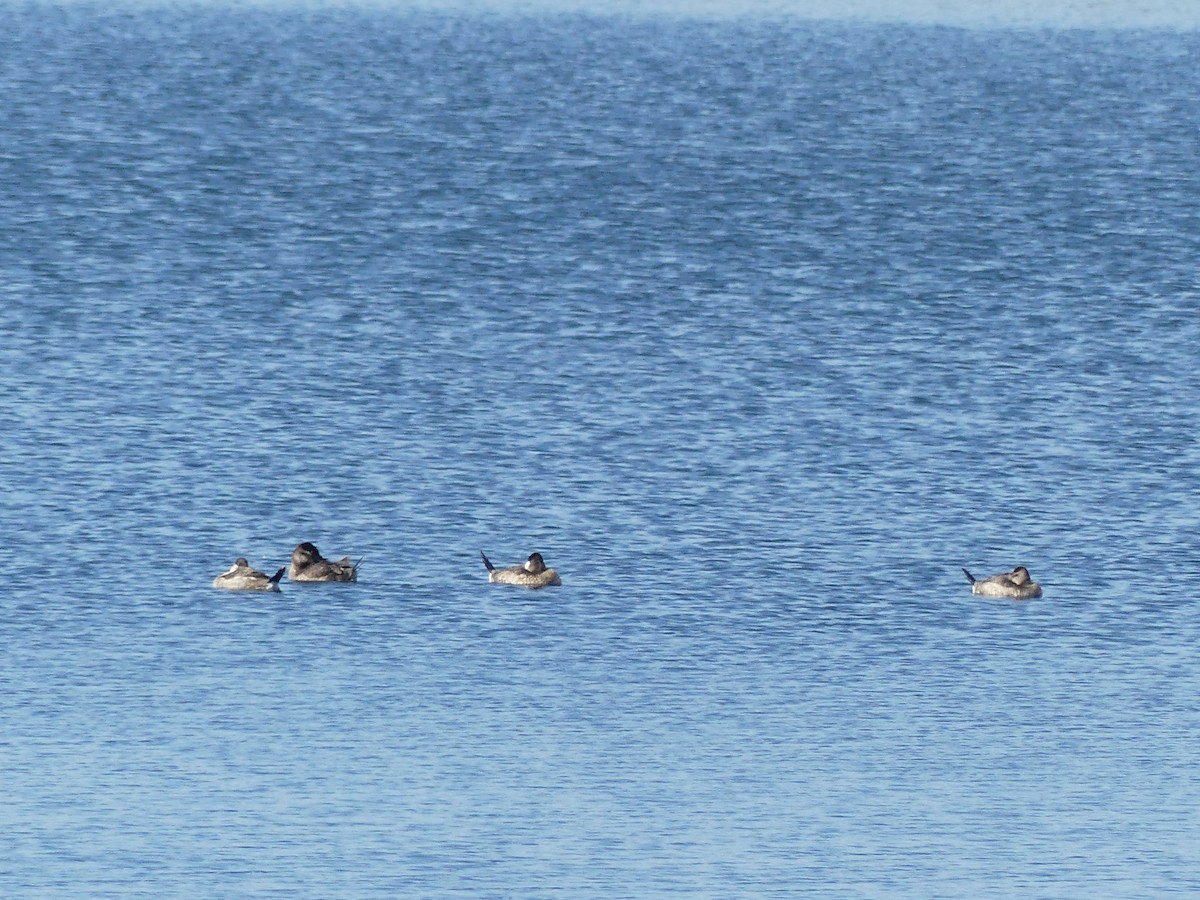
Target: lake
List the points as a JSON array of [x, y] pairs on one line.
[[759, 330]]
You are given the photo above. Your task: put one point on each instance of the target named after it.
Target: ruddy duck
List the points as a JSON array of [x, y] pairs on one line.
[[241, 577], [1016, 583], [309, 565], [531, 574]]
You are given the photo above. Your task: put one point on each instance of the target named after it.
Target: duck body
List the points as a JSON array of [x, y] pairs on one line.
[[1015, 584], [241, 577], [309, 565], [532, 573]]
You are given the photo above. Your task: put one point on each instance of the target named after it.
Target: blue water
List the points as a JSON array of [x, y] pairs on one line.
[[759, 330]]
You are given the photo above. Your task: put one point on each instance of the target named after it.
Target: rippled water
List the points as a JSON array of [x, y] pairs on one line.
[[758, 331]]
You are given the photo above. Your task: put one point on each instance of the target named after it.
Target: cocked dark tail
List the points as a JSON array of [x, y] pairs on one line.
[[970, 577], [487, 562]]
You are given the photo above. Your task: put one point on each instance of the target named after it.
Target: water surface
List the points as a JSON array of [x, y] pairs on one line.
[[758, 331]]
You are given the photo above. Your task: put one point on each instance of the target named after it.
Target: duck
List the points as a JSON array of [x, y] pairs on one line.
[[309, 565], [1016, 584], [531, 574], [241, 577]]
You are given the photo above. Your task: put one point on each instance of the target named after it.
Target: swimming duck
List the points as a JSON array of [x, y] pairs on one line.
[[1016, 583], [531, 574], [241, 577], [309, 565]]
